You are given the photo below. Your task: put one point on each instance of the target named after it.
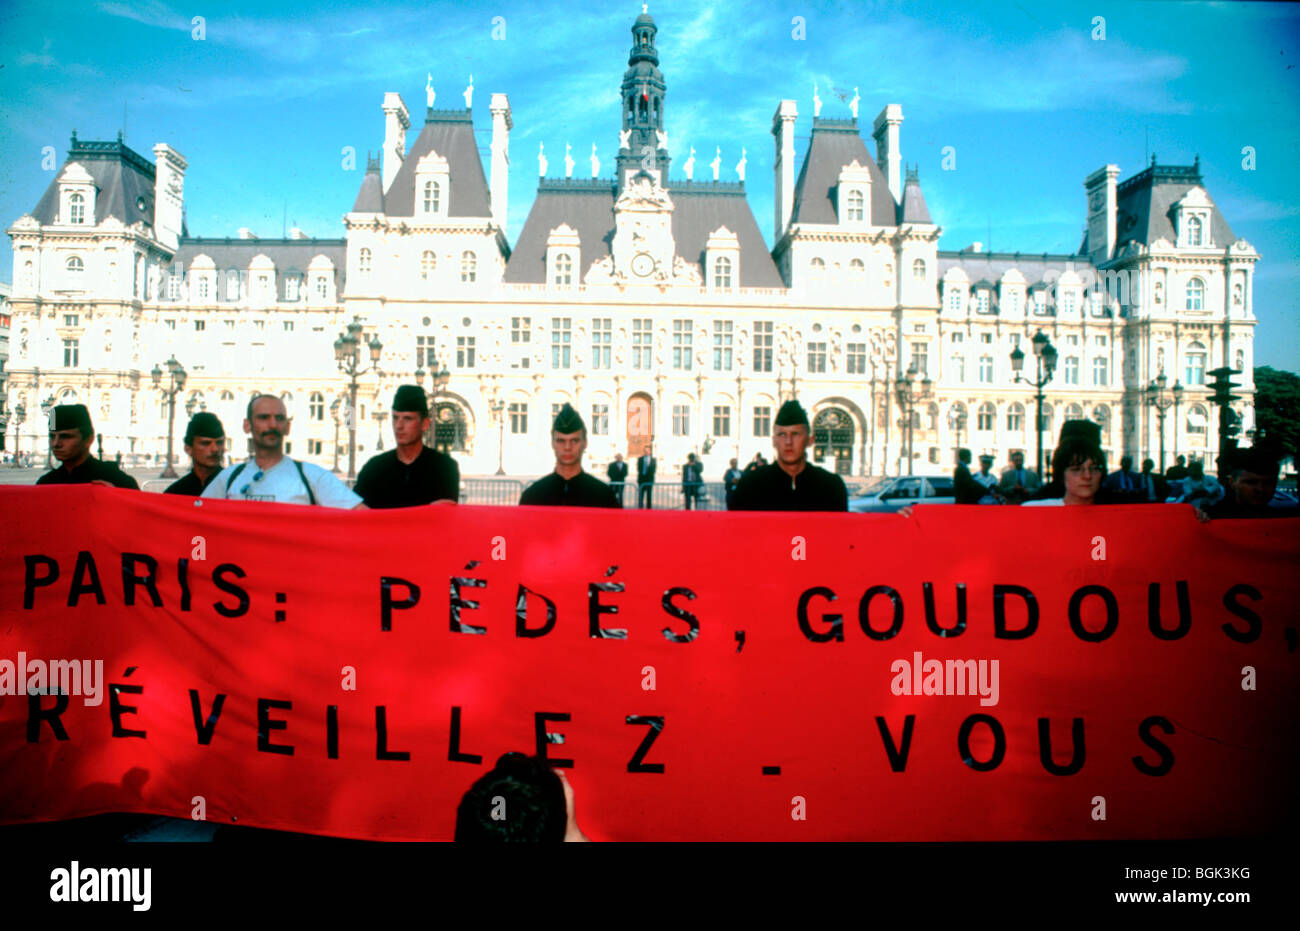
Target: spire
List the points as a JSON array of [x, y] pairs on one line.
[[642, 140]]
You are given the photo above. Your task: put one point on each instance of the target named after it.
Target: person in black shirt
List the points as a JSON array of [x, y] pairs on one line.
[[71, 436], [791, 483], [568, 485], [1252, 485], [412, 474], [965, 489], [205, 444], [617, 472]]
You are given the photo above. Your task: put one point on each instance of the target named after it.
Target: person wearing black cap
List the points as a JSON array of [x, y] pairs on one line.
[[1252, 485], [205, 444], [412, 474], [71, 436], [568, 485], [791, 483]]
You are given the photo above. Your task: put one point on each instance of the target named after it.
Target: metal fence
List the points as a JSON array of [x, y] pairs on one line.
[[491, 491], [670, 496]]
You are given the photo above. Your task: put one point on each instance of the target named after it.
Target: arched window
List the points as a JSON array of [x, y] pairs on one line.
[[1194, 232], [74, 265], [818, 270], [1197, 421], [953, 298], [932, 416], [1194, 373], [957, 418], [317, 405], [858, 272], [29, 275], [428, 263], [1241, 360], [1195, 294], [855, 205], [468, 266], [722, 272], [918, 270], [322, 287], [986, 416], [1048, 415], [1073, 412], [1016, 418], [363, 262], [76, 208], [1101, 417], [432, 196], [563, 270]]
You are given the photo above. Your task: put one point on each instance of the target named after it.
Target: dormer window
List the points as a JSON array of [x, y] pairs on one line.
[[363, 263], [432, 177], [432, 196], [982, 302], [1194, 227], [322, 287], [76, 208], [563, 270], [468, 267], [722, 272], [918, 270], [563, 256], [953, 297], [855, 206]]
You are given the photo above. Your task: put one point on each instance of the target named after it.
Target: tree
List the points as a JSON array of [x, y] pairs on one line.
[[1277, 410]]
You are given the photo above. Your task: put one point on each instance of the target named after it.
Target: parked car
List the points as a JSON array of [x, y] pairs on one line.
[[890, 494]]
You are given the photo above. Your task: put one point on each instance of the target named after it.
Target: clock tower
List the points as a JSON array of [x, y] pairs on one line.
[[643, 146]]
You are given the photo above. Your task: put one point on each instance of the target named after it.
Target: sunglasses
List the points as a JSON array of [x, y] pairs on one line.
[[256, 478]]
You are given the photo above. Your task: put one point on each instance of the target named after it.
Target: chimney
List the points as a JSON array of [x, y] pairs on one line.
[[396, 122], [1102, 207], [783, 132], [168, 195], [885, 131], [499, 183]]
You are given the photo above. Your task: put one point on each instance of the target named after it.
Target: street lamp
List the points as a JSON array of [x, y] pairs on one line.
[[46, 406], [347, 353], [957, 423], [440, 380], [498, 408], [334, 416], [20, 417], [175, 383], [1045, 353], [909, 392], [1155, 396]]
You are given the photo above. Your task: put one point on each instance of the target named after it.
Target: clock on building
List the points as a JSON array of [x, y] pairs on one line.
[[643, 264]]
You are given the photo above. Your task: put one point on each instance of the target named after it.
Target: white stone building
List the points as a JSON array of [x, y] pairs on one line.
[[648, 300]]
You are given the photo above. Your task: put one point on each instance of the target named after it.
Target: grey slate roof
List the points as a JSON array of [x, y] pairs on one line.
[[588, 207], [835, 144], [289, 255], [122, 176], [1044, 269], [913, 208], [370, 199], [1145, 206], [450, 133]]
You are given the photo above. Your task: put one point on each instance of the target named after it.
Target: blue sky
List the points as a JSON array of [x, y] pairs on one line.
[[263, 106]]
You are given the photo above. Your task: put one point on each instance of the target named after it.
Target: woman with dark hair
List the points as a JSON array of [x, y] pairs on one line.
[[1079, 464]]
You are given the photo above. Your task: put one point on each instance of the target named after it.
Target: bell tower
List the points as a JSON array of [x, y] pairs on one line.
[[642, 143]]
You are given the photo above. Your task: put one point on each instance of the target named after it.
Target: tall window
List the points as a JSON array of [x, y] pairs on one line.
[[985, 417], [602, 341], [292, 286], [855, 358], [642, 343], [681, 420], [1193, 231], [986, 370], [76, 209], [763, 339], [464, 352], [1068, 301], [1195, 294], [424, 358], [561, 342], [204, 289], [953, 298], [432, 196], [858, 273], [957, 363], [1195, 370], [722, 272], [518, 417], [1013, 301], [468, 266], [683, 351], [316, 405], [1197, 420], [921, 358], [1071, 370], [918, 270], [762, 421], [982, 301], [722, 345], [855, 205], [1016, 418], [428, 265], [600, 420], [322, 287], [721, 420], [563, 270], [363, 263], [1101, 417], [816, 357], [1100, 371], [521, 334], [71, 353]]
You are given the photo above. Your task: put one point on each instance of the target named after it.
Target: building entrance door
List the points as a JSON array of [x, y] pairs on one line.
[[640, 424], [833, 437]]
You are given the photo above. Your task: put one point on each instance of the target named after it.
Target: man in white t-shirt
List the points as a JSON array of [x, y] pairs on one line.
[[271, 475]]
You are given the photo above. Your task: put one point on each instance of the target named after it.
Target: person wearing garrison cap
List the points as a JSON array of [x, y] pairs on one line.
[[791, 483], [412, 474], [71, 436], [568, 485], [205, 444]]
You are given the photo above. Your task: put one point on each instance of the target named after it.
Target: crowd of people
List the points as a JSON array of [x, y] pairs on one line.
[[412, 474]]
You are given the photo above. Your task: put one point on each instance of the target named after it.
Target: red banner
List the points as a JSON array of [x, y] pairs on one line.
[[960, 674]]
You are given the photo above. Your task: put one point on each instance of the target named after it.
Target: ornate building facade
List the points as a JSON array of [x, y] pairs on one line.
[[649, 301]]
